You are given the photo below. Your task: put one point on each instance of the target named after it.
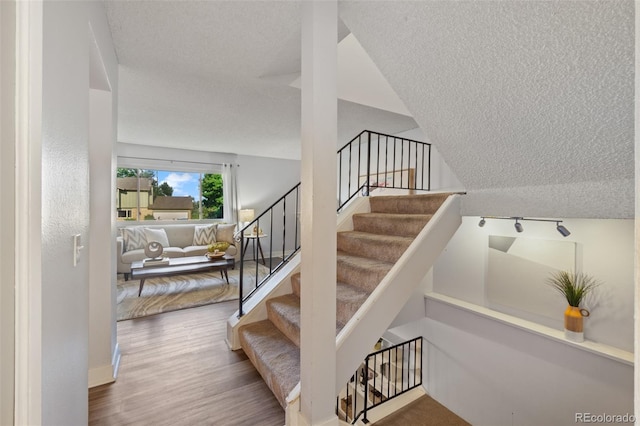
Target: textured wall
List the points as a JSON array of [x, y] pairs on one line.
[[66, 207], [516, 95]]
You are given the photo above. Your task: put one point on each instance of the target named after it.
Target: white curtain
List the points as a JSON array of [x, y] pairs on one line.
[[230, 193]]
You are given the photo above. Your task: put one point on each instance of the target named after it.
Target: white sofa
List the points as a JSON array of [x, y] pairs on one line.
[[180, 238]]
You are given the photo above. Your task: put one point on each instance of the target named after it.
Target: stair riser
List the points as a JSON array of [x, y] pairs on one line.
[[295, 283], [290, 327], [406, 227], [408, 205], [380, 250], [359, 277]]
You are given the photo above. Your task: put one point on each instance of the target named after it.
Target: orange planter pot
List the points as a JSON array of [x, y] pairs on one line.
[[573, 320]]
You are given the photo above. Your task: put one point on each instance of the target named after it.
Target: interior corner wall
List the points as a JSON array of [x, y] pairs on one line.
[[66, 206], [604, 249], [102, 138]]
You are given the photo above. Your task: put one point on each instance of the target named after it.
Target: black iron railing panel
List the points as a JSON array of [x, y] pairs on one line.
[[370, 160], [374, 160], [382, 376], [267, 243]]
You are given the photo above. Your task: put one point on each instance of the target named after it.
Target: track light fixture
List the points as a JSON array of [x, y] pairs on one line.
[[519, 228], [562, 230]]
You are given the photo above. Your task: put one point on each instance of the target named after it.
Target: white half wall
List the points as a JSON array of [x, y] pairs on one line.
[[492, 373]]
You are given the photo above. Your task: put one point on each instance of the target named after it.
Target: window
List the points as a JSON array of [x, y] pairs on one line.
[[150, 194]]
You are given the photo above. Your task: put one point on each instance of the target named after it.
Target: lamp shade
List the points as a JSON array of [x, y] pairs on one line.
[[247, 215]]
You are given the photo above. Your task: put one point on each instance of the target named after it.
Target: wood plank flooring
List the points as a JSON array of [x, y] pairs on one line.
[[176, 369]]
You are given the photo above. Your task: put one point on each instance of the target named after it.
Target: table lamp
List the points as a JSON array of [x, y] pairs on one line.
[[246, 215]]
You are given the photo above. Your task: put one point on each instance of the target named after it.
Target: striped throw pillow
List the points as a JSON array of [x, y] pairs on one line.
[[204, 235], [134, 238]]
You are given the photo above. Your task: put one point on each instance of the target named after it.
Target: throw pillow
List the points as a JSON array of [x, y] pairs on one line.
[[204, 235], [157, 235], [225, 232], [133, 238]]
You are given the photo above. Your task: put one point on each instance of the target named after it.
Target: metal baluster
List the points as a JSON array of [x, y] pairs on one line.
[[241, 278]]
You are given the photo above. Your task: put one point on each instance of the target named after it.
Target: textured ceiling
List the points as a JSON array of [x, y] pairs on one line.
[[530, 103], [214, 76]]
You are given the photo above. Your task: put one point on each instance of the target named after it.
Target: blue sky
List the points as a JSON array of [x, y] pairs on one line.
[[181, 182]]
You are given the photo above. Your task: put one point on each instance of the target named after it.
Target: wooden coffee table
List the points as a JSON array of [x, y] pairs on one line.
[[181, 266]]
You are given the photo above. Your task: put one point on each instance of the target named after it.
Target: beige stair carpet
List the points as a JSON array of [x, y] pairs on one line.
[[365, 256]]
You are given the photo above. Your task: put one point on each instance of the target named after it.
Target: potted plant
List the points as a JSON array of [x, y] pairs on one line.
[[574, 286]]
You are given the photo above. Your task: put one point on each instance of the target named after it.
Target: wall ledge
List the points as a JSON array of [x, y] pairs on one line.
[[600, 349]]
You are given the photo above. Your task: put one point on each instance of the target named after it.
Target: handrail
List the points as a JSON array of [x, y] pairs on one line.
[[382, 376], [404, 164]]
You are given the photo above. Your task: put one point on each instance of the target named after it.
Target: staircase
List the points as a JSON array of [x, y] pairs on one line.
[[365, 256]]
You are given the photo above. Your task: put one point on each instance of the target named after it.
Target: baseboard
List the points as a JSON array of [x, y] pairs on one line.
[[106, 373]]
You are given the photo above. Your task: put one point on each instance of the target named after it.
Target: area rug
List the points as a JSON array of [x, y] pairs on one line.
[[165, 294]]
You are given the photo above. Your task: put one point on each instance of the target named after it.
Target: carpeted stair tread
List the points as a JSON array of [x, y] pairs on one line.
[[276, 358], [387, 248], [407, 204], [360, 271], [404, 225], [349, 298], [284, 313]]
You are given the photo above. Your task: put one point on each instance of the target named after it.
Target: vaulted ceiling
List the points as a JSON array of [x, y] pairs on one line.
[[530, 103]]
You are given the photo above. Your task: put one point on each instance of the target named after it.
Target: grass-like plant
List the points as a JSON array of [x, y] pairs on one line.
[[574, 286]]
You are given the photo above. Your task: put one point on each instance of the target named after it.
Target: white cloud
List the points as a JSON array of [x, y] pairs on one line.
[[180, 181]]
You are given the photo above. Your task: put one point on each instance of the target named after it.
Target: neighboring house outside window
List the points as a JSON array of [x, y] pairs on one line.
[[152, 194], [128, 204], [172, 208]]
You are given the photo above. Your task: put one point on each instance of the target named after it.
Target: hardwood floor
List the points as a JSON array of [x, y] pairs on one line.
[[176, 369]]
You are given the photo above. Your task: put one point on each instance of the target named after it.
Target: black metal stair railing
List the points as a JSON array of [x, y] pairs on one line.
[[374, 160], [280, 225], [382, 376], [369, 161]]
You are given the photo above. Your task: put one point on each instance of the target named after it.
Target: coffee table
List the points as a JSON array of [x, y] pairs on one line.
[[181, 266]]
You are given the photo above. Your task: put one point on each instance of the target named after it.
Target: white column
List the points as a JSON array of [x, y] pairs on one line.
[[637, 220], [101, 244], [318, 238]]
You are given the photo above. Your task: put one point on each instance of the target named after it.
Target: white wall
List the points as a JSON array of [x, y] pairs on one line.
[[7, 209], [66, 205], [495, 374], [605, 250], [261, 181]]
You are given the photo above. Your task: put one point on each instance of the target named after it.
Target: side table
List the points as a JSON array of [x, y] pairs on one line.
[[255, 240]]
